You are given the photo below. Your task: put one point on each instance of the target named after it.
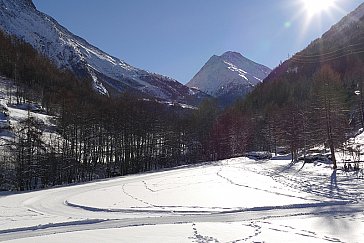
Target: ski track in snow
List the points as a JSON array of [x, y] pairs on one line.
[[331, 198]]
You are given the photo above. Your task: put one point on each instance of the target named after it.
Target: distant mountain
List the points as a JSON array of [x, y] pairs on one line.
[[229, 76], [110, 75]]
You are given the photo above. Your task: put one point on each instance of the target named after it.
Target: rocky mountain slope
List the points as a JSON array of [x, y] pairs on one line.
[[229, 76], [110, 75]]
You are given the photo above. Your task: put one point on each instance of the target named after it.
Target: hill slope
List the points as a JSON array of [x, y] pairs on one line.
[[341, 47]]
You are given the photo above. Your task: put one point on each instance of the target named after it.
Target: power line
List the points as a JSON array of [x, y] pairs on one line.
[[330, 52], [330, 58]]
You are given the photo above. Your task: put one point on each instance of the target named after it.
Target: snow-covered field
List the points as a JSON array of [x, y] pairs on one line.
[[236, 200]]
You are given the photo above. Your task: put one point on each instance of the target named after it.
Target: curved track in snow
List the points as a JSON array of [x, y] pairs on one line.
[[146, 200]]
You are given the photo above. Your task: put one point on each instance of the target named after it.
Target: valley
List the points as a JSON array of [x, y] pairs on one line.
[[94, 149]]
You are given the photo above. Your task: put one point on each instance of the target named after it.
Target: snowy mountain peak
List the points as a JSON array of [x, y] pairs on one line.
[[232, 55], [29, 3], [24, 3], [110, 75], [230, 76]]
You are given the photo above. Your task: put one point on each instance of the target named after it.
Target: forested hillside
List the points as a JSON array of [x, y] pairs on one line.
[[314, 98], [95, 136]]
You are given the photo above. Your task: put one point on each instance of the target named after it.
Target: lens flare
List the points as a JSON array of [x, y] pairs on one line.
[[287, 24]]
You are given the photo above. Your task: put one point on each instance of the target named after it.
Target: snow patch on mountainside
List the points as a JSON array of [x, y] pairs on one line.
[[233, 68]]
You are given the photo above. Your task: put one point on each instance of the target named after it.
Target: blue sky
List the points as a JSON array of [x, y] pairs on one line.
[[177, 37]]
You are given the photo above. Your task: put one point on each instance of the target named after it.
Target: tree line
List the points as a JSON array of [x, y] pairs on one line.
[[99, 137]]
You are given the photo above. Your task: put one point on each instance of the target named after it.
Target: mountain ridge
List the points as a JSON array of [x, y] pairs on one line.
[[68, 51]]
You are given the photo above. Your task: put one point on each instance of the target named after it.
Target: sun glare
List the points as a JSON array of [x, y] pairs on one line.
[[312, 15], [314, 7]]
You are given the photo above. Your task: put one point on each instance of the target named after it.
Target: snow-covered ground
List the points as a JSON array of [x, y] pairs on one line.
[[16, 113], [235, 200]]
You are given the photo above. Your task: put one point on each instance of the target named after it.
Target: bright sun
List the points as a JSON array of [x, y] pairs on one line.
[[314, 12], [313, 7]]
